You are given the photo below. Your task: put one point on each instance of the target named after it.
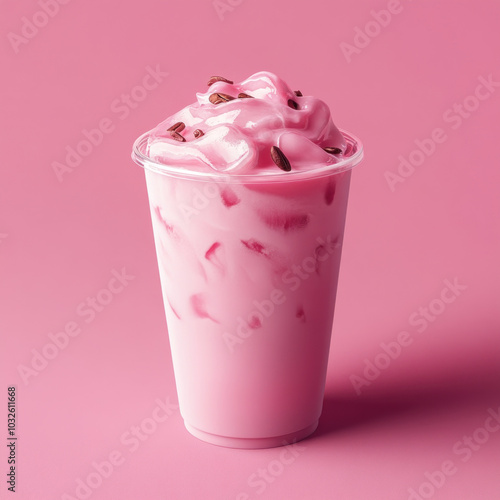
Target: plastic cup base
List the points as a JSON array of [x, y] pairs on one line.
[[251, 443]]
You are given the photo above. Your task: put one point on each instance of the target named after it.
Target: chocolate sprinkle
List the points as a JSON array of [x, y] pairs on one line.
[[214, 79], [293, 104], [218, 98], [198, 133], [178, 137], [333, 151], [298, 93], [280, 159], [242, 95], [177, 127]]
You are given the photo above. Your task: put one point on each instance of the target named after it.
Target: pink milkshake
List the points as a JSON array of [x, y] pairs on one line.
[[248, 191]]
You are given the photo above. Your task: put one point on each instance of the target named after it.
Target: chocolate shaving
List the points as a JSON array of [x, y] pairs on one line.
[[198, 133], [178, 137], [280, 159], [293, 104], [177, 127], [242, 95], [218, 98], [298, 93], [333, 151], [214, 79]]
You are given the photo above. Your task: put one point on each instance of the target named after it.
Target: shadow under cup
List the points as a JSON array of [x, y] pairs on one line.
[[249, 267]]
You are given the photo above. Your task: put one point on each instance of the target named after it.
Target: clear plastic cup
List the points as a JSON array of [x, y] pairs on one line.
[[249, 267]]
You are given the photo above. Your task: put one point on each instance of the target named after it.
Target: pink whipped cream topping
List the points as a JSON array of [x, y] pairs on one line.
[[237, 133]]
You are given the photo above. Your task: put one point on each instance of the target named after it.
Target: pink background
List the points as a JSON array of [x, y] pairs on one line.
[[60, 241]]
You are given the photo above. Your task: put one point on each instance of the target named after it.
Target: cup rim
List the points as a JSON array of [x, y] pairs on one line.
[[345, 164]]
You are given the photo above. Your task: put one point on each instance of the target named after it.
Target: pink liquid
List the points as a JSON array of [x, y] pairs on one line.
[[249, 277]]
